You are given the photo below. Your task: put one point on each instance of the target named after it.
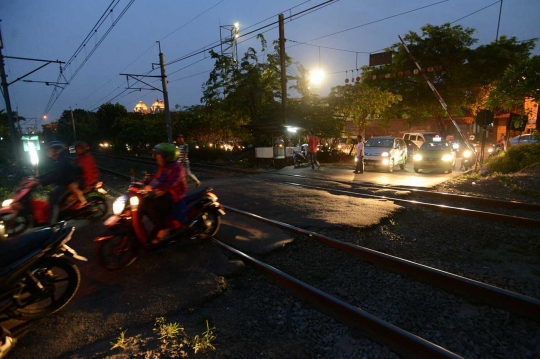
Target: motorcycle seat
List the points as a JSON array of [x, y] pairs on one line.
[[15, 248]]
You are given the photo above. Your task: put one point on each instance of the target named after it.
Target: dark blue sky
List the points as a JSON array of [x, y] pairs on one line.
[[53, 30]]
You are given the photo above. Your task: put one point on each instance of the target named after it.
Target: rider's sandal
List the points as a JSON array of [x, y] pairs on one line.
[[159, 236]]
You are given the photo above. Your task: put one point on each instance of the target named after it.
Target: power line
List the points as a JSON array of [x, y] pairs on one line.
[[472, 13], [54, 96]]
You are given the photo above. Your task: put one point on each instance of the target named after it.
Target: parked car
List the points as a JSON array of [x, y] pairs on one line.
[[434, 156], [525, 139], [385, 152], [420, 138]]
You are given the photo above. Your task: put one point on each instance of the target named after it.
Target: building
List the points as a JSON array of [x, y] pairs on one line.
[[157, 106]]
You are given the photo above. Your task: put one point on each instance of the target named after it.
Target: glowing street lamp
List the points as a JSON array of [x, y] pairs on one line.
[[316, 77]]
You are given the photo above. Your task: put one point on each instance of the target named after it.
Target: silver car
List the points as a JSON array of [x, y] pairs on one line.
[[385, 152]]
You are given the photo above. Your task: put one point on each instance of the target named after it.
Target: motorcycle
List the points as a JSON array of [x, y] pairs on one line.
[[300, 157], [22, 211], [36, 278], [496, 148], [468, 159], [128, 229]]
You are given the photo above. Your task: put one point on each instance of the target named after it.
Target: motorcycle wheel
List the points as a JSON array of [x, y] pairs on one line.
[[118, 251], [98, 207], [209, 224], [297, 162], [60, 279], [16, 225]]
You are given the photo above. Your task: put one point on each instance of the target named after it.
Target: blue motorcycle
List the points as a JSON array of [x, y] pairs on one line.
[[300, 157]]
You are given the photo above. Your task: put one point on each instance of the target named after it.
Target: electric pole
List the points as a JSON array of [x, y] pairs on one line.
[[165, 94], [8, 102], [283, 68]]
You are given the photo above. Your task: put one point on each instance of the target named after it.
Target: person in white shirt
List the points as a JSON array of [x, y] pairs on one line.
[[184, 160], [359, 156]]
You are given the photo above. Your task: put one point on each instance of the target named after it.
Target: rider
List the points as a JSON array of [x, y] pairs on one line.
[[61, 175], [170, 186], [90, 172]]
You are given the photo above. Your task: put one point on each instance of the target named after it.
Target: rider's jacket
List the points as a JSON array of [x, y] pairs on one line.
[[90, 172], [171, 179], [61, 174]]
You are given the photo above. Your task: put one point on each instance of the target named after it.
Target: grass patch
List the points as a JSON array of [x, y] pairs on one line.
[[203, 342], [120, 342]]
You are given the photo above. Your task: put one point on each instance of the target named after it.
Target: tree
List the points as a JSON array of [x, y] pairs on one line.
[[361, 103], [460, 74], [519, 82]]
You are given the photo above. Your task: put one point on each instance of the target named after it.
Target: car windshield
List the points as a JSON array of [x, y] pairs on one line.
[[380, 142], [436, 146], [429, 136]]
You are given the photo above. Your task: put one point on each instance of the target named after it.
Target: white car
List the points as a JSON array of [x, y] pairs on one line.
[[525, 139]]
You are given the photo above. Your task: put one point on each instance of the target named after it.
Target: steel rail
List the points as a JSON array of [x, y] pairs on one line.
[[512, 302], [400, 341], [444, 195], [415, 190], [520, 221]]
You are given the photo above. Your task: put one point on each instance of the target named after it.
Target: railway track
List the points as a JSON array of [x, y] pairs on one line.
[[401, 341], [528, 214]]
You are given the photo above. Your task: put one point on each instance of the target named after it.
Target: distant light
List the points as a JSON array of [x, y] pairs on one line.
[[292, 129], [34, 159], [44, 117], [237, 25]]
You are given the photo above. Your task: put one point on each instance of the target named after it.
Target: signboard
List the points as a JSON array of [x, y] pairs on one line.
[[30, 141], [382, 58]]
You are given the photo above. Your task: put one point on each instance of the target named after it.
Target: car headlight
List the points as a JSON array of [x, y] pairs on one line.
[[467, 154], [417, 157], [447, 158], [119, 204], [384, 154], [7, 203]]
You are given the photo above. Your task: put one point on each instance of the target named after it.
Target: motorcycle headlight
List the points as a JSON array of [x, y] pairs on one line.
[[119, 204], [455, 146], [447, 158], [134, 202], [2, 230], [384, 154], [467, 154], [7, 203], [490, 150], [417, 157]]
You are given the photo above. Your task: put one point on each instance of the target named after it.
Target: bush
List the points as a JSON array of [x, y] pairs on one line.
[[516, 158]]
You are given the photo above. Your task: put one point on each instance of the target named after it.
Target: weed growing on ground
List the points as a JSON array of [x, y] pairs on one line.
[[204, 341], [171, 335], [120, 342], [393, 222]]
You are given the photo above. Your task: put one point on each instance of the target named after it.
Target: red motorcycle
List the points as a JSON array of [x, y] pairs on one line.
[[128, 229], [22, 211]]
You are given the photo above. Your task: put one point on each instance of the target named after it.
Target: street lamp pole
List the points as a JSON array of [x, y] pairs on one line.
[[73, 122]]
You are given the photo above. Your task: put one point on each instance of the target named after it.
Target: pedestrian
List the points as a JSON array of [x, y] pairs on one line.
[[313, 142], [359, 155], [184, 160]]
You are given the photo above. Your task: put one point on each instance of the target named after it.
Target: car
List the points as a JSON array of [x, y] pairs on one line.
[[385, 152], [432, 156], [420, 137], [525, 139]]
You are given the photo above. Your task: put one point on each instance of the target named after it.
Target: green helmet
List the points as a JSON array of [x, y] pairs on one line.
[[169, 151]]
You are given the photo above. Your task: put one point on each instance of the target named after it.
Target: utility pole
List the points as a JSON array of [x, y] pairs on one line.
[[73, 122], [283, 68], [165, 94], [498, 23], [8, 102]]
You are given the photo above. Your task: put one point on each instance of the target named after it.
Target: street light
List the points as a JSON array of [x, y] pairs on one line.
[[316, 77]]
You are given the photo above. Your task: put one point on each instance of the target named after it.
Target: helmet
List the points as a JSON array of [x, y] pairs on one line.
[[169, 151], [57, 147], [80, 144]]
